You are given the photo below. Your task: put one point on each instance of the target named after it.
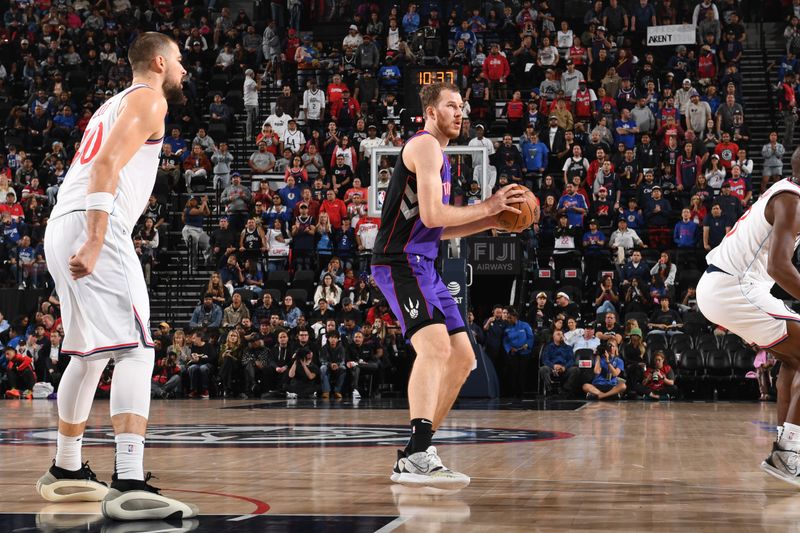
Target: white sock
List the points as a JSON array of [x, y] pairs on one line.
[[130, 456], [780, 432], [68, 452], [790, 438]]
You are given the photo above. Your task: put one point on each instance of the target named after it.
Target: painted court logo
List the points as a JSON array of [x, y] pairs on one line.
[[282, 436], [412, 309]]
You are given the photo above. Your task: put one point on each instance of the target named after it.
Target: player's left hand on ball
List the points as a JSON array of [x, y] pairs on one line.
[[82, 263], [505, 198]]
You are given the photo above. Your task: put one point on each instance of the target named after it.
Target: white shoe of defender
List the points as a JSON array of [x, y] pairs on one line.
[[137, 500], [784, 465], [425, 469], [59, 485]]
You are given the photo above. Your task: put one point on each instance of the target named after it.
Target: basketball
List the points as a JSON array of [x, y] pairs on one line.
[[513, 222]]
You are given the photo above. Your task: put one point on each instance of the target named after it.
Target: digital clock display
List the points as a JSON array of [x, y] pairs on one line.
[[426, 77], [416, 79]]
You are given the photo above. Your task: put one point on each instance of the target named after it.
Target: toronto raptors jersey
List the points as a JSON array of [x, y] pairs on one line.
[[402, 230], [744, 252], [136, 179]]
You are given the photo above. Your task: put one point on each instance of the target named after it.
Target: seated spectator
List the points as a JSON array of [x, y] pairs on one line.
[[360, 360], [565, 306], [265, 309], [231, 354], [234, 313], [572, 333], [200, 365], [634, 268], [328, 291], [607, 298], [607, 369], [663, 273], [280, 359], [518, 342], [19, 373], [609, 329], [290, 312], [166, 381], [665, 320], [303, 375], [623, 240], [333, 366], [541, 313], [231, 273], [764, 363], [196, 168], [558, 360], [193, 218], [587, 341], [207, 314], [658, 382], [224, 241]]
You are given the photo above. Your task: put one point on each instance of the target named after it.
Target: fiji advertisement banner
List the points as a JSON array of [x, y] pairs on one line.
[[495, 256]]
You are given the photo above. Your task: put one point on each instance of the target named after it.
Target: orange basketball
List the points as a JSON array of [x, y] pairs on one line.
[[515, 223]]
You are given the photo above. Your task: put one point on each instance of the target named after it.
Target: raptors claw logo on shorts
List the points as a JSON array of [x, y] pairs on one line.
[[412, 308]]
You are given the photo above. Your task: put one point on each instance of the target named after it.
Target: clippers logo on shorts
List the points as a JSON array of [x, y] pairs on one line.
[[412, 308], [284, 435]]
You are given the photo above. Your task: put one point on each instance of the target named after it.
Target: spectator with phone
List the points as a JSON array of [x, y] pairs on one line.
[[303, 375]]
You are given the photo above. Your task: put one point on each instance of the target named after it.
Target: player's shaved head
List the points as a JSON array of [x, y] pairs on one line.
[[147, 46], [796, 162]]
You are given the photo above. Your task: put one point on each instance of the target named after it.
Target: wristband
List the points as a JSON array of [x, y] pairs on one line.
[[100, 201]]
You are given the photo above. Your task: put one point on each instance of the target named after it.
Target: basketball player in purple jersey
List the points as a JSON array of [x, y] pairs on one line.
[[416, 216]]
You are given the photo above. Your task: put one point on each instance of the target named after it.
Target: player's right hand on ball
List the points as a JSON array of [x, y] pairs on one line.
[[505, 198], [82, 263]]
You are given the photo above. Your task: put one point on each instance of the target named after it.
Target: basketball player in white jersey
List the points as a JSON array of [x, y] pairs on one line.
[[105, 308], [734, 292]]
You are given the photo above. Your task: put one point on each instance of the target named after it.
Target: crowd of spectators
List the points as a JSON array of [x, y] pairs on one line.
[[639, 156]]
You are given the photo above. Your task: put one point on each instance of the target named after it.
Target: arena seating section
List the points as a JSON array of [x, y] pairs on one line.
[[60, 62]]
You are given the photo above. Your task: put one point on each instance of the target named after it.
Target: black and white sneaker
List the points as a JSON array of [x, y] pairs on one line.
[[397, 469], [783, 464], [425, 469], [130, 499], [59, 485]]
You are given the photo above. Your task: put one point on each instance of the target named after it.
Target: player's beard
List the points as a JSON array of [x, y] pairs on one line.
[[447, 125], [173, 93]]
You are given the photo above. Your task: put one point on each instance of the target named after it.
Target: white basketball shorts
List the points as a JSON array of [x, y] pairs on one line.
[[744, 307], [108, 310]]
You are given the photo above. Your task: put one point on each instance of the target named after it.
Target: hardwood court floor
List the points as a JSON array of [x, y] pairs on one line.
[[610, 467]]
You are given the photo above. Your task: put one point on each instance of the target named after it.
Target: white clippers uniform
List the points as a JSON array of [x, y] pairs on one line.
[[739, 298], [109, 309]]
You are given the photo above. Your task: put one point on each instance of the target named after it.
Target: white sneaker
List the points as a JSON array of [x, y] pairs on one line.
[[138, 500], [425, 469], [59, 485], [356, 394], [784, 465], [291, 396]]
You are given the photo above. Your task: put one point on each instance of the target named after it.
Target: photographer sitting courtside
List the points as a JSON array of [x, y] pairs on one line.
[[607, 368]]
